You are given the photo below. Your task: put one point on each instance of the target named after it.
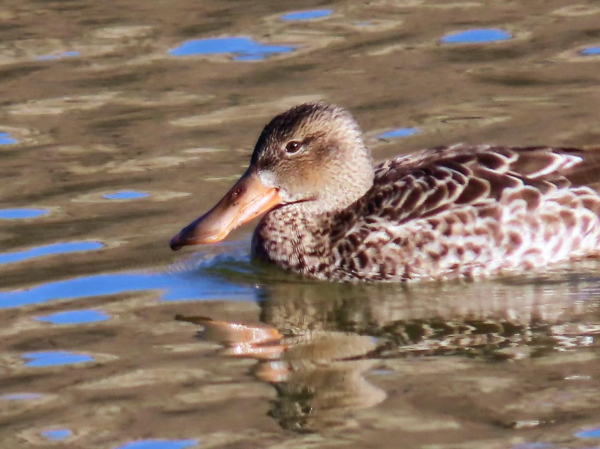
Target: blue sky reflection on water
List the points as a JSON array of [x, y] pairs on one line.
[[21, 396], [55, 358], [306, 15], [75, 317], [7, 139], [56, 434], [126, 195], [399, 132], [158, 444], [532, 446], [243, 48], [591, 433], [591, 51], [478, 36], [177, 286], [55, 56], [48, 250], [17, 214]]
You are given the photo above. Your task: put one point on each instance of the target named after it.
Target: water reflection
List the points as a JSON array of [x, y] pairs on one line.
[[56, 434], [306, 15], [176, 286], [75, 317], [476, 36], [399, 132], [7, 139], [17, 214], [319, 340], [77, 128], [532, 446], [591, 433], [48, 250], [158, 444], [591, 51], [317, 375], [53, 57], [126, 195], [21, 396], [55, 358], [242, 48]]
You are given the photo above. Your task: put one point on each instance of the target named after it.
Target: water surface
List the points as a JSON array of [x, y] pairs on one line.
[[126, 195], [591, 51], [306, 15], [20, 213], [56, 434], [54, 358], [476, 36], [108, 339], [48, 250], [74, 317], [398, 132], [241, 48], [7, 139]]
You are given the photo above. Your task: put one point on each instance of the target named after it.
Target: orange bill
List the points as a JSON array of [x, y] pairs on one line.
[[246, 200]]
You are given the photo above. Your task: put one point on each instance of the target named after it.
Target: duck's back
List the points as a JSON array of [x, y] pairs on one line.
[[471, 211]]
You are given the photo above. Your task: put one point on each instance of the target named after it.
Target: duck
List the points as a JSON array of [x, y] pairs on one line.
[[452, 212]]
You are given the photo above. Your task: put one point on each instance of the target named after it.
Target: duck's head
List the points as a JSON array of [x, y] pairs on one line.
[[311, 157]]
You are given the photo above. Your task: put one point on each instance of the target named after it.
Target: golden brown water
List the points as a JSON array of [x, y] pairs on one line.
[[111, 141]]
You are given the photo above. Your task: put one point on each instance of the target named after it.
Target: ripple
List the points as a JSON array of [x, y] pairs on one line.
[[175, 286], [398, 132], [591, 433], [243, 112], [48, 250], [577, 11], [591, 51], [60, 105], [55, 358], [22, 396], [532, 446], [157, 195], [158, 444], [7, 139], [56, 434], [17, 214], [55, 56], [306, 15], [75, 317], [477, 36], [126, 195], [242, 48]]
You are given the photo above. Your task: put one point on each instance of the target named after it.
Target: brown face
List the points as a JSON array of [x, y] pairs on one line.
[[298, 158]]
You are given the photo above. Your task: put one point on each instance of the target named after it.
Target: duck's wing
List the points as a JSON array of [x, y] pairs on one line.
[[432, 181], [471, 211]]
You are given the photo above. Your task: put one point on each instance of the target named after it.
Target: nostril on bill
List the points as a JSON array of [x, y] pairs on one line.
[[175, 243]]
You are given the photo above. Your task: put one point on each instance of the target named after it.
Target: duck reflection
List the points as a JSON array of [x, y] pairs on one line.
[[556, 312], [318, 374], [318, 341]]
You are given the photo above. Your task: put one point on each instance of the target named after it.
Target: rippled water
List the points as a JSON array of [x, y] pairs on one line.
[[242, 48], [122, 121], [476, 37]]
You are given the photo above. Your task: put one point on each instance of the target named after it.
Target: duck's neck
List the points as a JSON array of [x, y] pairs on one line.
[[299, 236], [295, 238]]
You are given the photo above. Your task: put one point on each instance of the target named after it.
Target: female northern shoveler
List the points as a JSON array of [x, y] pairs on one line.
[[458, 211]]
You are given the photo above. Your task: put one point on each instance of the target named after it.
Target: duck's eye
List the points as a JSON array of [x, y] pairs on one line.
[[293, 146]]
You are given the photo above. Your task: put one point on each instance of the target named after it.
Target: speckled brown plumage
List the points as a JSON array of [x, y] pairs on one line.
[[449, 212]]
